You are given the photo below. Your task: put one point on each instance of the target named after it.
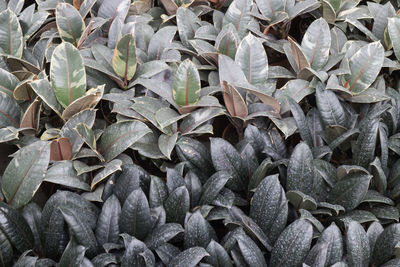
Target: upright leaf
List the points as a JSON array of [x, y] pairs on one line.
[[357, 245], [252, 59], [25, 173], [187, 23], [364, 148], [239, 15], [124, 59], [234, 101], [365, 66], [332, 112], [189, 258], [10, 112], [11, 38], [107, 229], [67, 74], [385, 244], [316, 43], [393, 28], [69, 23], [293, 244], [186, 85], [120, 136]]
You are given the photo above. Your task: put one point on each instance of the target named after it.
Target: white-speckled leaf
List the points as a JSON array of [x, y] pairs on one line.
[[357, 245]]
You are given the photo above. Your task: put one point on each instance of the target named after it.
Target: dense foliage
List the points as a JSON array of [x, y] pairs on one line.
[[210, 133]]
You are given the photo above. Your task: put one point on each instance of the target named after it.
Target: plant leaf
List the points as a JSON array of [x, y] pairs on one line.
[[10, 112], [11, 41], [120, 136], [25, 173], [357, 245], [67, 74], [186, 85], [234, 101], [124, 59], [69, 23], [189, 258]]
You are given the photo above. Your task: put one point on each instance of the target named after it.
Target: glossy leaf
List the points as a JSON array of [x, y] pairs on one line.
[[186, 85], [67, 74], [69, 23], [357, 245], [190, 257], [25, 173], [234, 101], [124, 59], [11, 41], [10, 112]]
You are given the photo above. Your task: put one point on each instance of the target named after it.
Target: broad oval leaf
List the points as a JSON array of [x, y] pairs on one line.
[[332, 112], [226, 158], [239, 15], [218, 255], [10, 112], [11, 38], [393, 27], [252, 254], [293, 244], [385, 244], [270, 8], [364, 148], [25, 173], [69, 23], [186, 84], [198, 231], [188, 258], [234, 101], [187, 23], [120, 136], [316, 43], [124, 59], [365, 66], [8, 82], [135, 216], [107, 229], [350, 190], [67, 74], [177, 204], [252, 59], [73, 254], [300, 172], [269, 208], [162, 234], [357, 245]]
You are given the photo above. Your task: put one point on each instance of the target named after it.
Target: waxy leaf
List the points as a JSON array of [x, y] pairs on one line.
[[198, 231], [269, 208], [187, 23], [393, 28], [8, 82], [385, 244], [67, 74], [350, 190], [11, 41], [239, 15], [293, 244], [316, 43], [300, 172], [234, 102], [251, 252], [124, 58], [365, 66], [135, 216], [270, 8], [73, 255], [252, 59], [25, 173], [120, 136], [177, 204], [60, 149], [10, 112], [189, 258], [357, 245], [186, 85], [329, 107], [69, 23], [162, 234], [44, 90]]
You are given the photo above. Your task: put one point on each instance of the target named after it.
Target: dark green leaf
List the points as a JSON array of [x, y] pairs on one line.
[[189, 257], [177, 204], [357, 245], [107, 229]]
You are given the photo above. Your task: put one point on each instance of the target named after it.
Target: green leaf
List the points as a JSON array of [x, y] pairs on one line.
[[269, 208], [86, 116], [252, 59], [186, 85], [177, 204], [364, 149], [107, 229], [393, 28], [135, 216], [252, 254], [43, 89], [15, 230], [8, 82], [332, 112], [158, 192], [239, 15], [63, 173], [300, 172], [198, 231], [124, 59], [357, 245], [69, 23], [188, 258], [293, 244], [332, 237], [11, 41], [316, 43], [10, 112], [226, 158], [365, 66], [350, 190], [73, 255], [385, 244], [301, 122], [80, 229], [32, 213], [167, 143], [120, 136], [67, 74], [25, 173], [187, 23], [109, 168], [162, 234], [300, 200], [227, 41]]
